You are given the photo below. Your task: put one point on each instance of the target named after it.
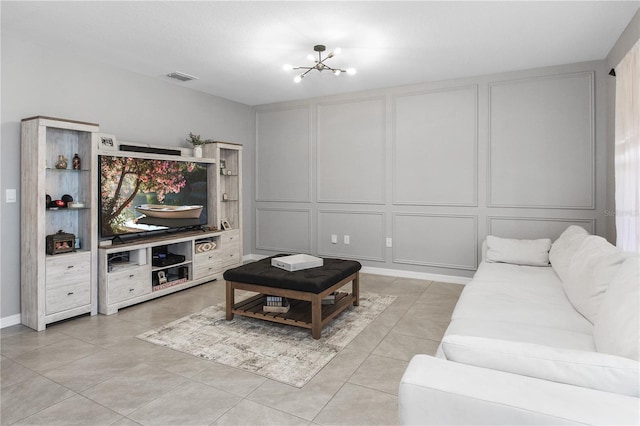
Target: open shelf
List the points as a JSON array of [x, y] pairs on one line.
[[299, 314]]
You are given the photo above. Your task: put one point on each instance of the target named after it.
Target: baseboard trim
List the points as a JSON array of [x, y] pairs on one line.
[[9, 321], [453, 279]]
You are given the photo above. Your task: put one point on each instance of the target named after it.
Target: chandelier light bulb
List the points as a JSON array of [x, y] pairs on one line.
[[297, 79], [311, 57], [337, 72], [351, 71], [337, 51], [287, 67]]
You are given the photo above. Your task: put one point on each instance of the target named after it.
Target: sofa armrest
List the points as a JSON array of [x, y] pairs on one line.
[[437, 391]]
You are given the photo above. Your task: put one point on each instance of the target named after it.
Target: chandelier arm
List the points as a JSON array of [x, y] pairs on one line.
[[327, 67], [306, 72]]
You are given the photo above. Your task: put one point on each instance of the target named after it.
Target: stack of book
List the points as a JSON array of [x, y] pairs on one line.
[[329, 299], [276, 304]]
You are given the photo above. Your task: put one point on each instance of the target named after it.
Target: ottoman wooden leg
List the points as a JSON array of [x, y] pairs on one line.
[[355, 289], [230, 300], [316, 317]]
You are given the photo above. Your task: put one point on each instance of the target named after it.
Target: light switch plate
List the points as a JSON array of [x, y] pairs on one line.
[[10, 196]]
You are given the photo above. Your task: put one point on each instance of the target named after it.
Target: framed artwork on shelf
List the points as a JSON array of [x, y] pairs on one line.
[[225, 224]]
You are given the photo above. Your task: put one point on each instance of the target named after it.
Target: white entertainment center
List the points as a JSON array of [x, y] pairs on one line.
[[97, 274], [128, 274]]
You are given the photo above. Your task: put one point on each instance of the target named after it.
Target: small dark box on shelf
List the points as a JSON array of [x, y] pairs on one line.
[[61, 242]]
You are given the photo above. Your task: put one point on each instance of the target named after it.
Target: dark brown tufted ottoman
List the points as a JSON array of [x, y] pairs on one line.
[[305, 290]]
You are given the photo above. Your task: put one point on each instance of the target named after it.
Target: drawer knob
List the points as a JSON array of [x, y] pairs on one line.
[[130, 289], [70, 293], [69, 266], [131, 276]]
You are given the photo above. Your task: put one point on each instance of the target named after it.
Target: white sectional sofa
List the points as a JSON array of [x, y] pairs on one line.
[[543, 334]]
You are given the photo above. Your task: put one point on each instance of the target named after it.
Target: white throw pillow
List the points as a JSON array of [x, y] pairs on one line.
[[617, 329], [587, 369], [518, 252], [563, 249], [591, 270]]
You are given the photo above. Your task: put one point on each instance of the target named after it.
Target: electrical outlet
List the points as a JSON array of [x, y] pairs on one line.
[[389, 242], [346, 239], [334, 239]]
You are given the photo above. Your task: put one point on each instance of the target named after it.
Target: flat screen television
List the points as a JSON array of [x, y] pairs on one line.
[[142, 196]]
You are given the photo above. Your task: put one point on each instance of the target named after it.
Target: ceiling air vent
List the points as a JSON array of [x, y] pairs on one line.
[[181, 76]]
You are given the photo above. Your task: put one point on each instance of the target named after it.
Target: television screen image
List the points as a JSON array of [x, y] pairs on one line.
[[139, 195]]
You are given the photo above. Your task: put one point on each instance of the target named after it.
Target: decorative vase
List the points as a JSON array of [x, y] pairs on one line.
[[62, 162], [197, 151], [75, 162]]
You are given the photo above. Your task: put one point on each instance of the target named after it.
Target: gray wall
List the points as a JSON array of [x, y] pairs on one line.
[[436, 167], [135, 108]]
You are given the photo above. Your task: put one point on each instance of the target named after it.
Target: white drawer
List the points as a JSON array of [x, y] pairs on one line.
[[230, 255], [205, 271], [206, 257], [67, 296], [129, 283], [230, 237], [68, 269], [206, 264]]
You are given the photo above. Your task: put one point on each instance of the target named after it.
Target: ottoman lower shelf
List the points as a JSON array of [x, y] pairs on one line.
[[300, 313]]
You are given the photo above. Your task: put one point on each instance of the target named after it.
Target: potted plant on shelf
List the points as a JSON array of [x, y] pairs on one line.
[[197, 143]]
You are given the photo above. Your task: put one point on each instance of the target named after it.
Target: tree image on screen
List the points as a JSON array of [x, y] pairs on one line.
[[126, 182]]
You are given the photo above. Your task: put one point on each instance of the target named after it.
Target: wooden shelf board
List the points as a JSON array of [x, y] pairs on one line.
[[299, 314]]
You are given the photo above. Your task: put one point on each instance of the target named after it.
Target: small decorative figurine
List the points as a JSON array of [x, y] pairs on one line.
[[62, 162], [76, 162]]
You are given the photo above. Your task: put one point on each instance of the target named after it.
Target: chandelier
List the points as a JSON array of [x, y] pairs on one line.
[[319, 64]]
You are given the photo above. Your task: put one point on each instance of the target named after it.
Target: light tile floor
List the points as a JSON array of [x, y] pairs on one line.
[[93, 371]]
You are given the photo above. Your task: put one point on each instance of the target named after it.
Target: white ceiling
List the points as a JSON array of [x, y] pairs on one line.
[[237, 48]]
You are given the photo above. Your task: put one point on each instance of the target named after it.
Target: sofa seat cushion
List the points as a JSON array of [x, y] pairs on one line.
[[521, 296], [521, 332], [594, 370]]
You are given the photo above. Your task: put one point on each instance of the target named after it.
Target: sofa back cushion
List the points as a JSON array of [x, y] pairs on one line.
[[590, 271], [518, 252], [563, 249], [594, 370], [617, 328]]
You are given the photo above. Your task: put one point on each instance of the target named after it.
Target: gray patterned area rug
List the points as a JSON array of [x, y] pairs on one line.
[[284, 353]]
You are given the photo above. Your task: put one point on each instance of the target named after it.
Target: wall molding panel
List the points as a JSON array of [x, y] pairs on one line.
[[435, 140], [448, 241], [284, 154], [541, 143], [534, 227], [351, 138], [284, 230], [366, 231]]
